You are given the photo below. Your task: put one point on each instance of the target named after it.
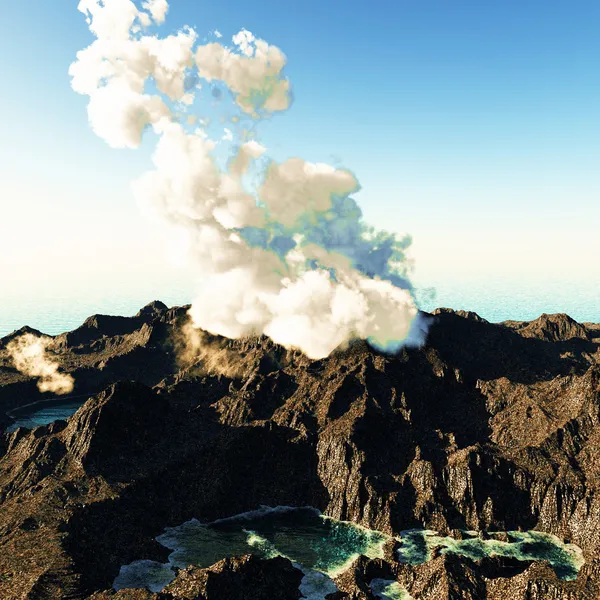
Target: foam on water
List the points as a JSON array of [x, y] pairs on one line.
[[388, 589], [314, 585], [148, 574], [566, 559], [301, 534]]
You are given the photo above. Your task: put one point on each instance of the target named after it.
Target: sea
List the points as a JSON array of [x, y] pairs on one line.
[[494, 301]]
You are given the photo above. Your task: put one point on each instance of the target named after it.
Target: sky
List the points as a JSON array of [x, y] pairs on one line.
[[474, 127]]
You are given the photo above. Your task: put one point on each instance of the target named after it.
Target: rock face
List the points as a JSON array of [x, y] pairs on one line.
[[237, 578], [487, 427]]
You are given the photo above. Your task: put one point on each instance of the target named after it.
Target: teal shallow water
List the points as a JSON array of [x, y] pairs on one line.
[[302, 534], [566, 559], [320, 546], [323, 547], [386, 589]]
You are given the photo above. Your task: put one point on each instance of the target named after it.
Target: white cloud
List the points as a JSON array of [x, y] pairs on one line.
[[243, 40], [254, 77], [296, 187], [109, 19], [158, 9], [113, 73], [145, 20], [119, 115]]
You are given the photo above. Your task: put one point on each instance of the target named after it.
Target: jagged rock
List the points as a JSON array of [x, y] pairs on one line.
[[488, 426], [465, 314], [237, 578], [18, 333], [153, 309], [244, 578], [554, 328]]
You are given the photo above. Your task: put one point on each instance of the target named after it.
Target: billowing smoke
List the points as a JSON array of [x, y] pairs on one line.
[[29, 356], [280, 248]]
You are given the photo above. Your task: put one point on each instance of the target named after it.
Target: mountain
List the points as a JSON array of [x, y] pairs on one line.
[[488, 427]]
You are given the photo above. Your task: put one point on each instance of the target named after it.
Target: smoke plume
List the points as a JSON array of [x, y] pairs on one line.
[[280, 248], [28, 353]]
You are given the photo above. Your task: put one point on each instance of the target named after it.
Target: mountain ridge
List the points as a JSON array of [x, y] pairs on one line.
[[486, 427]]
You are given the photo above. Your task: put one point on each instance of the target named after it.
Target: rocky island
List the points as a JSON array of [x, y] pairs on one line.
[[465, 469]]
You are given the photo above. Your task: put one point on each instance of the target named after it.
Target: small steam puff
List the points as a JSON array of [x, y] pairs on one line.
[[209, 357], [28, 353], [291, 256]]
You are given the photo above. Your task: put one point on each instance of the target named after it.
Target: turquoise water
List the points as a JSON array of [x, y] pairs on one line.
[[42, 414], [499, 300], [320, 546], [323, 547], [566, 559], [303, 535]]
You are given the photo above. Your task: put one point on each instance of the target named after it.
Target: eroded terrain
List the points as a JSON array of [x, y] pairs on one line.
[[488, 428]]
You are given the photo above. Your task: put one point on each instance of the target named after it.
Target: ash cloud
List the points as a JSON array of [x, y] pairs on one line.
[[280, 248], [28, 353]]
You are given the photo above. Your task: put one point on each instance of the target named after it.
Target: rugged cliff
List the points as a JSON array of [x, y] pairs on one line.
[[487, 427]]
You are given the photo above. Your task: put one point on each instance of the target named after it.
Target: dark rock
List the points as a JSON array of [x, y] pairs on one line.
[[153, 309], [237, 578], [18, 333], [488, 427], [554, 328], [244, 578]]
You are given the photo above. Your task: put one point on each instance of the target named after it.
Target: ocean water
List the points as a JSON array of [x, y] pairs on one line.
[[493, 300], [56, 314], [45, 412], [498, 300], [323, 547]]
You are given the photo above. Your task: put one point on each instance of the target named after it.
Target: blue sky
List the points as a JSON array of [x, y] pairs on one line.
[[473, 126]]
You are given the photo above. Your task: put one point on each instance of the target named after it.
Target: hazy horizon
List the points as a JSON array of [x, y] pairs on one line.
[[474, 129], [59, 315]]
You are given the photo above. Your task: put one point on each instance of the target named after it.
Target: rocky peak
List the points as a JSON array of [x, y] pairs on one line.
[[152, 310], [18, 333], [465, 314], [485, 427], [558, 327], [125, 419]]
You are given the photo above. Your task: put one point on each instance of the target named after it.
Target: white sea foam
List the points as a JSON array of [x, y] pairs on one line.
[[387, 589], [315, 585], [148, 574]]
